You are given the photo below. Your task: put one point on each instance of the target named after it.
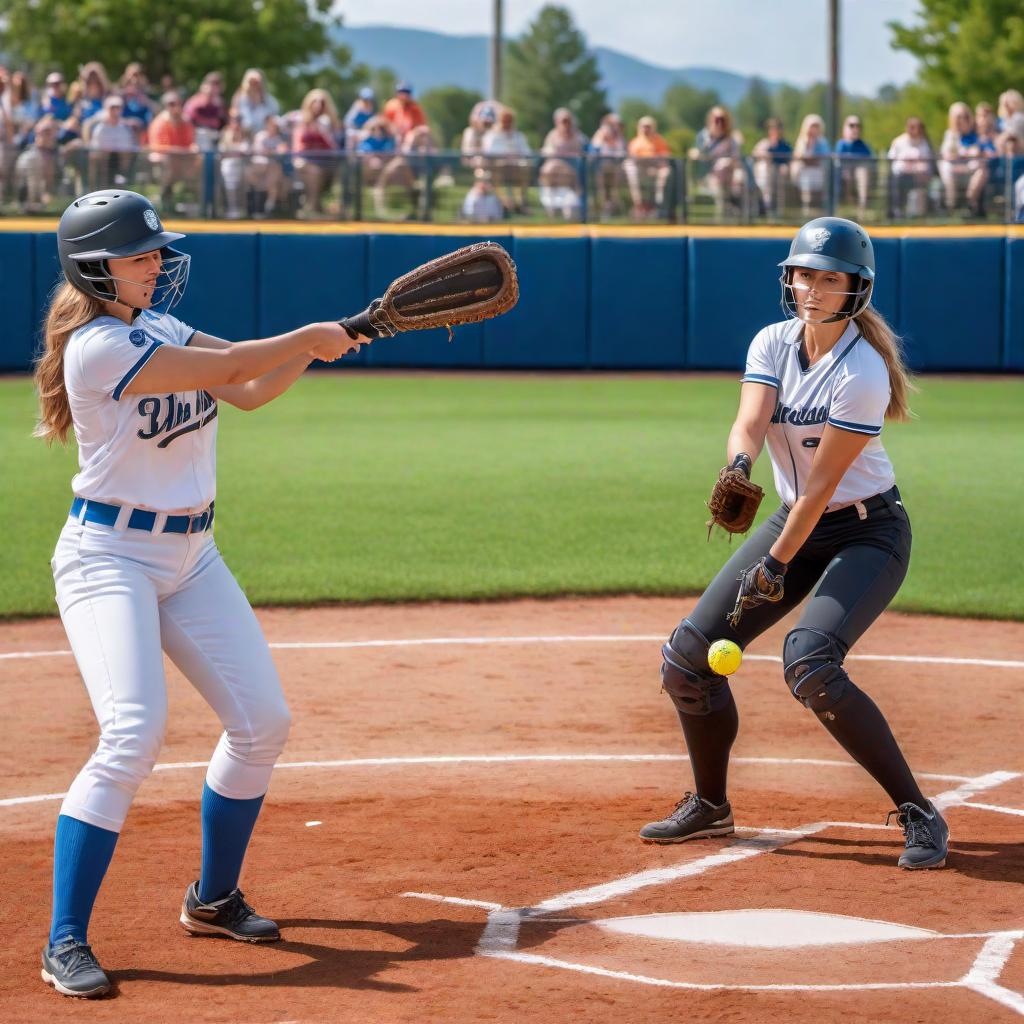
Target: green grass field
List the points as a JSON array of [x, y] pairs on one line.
[[407, 487]]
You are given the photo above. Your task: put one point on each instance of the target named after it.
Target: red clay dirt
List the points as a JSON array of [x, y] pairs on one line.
[[517, 833]]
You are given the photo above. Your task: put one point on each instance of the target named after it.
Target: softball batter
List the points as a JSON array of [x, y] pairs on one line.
[[136, 567], [817, 387]]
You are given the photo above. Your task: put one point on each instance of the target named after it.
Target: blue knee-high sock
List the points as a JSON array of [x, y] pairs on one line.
[[81, 856], [227, 828]]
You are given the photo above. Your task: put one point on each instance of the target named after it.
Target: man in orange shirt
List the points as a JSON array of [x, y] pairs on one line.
[[403, 111], [648, 163], [173, 150]]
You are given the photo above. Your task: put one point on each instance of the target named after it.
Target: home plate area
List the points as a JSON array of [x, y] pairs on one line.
[[598, 931]]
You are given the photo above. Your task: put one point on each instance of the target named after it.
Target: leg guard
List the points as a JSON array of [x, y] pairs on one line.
[[685, 675], [813, 665]]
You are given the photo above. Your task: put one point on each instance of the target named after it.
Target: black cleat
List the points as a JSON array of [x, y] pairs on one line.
[[693, 818], [230, 916], [72, 969], [926, 834]]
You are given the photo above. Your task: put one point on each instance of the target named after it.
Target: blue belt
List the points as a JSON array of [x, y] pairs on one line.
[[140, 518]]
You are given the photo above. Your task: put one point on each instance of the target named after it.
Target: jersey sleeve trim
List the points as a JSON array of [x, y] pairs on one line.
[[761, 378], [190, 337], [134, 371], [856, 428]]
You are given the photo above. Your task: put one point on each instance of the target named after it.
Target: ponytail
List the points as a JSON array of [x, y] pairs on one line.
[[880, 336], [69, 310]]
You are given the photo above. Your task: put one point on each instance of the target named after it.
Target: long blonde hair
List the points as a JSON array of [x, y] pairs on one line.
[[800, 146], [69, 310], [884, 340]]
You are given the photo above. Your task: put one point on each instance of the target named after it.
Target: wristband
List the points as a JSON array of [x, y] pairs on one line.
[[773, 565], [743, 462]]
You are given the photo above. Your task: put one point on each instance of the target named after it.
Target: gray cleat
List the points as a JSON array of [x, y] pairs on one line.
[[231, 917], [72, 969], [926, 834], [693, 818]]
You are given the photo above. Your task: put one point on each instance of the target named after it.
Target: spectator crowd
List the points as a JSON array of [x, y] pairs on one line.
[[61, 138]]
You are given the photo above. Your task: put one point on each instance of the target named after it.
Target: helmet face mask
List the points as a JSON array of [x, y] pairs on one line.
[[830, 244], [167, 290], [856, 301], [114, 224]]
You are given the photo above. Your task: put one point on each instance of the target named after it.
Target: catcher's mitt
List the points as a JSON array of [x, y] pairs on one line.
[[734, 502], [474, 283]]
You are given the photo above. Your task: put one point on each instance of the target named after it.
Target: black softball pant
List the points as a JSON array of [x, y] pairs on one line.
[[860, 564], [854, 566]]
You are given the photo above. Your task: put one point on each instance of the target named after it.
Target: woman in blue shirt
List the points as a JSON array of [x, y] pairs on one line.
[[855, 164]]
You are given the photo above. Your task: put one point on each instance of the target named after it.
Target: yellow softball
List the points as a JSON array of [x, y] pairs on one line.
[[724, 657]]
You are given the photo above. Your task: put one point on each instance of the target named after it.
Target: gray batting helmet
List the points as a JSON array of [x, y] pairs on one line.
[[112, 224], [831, 243]]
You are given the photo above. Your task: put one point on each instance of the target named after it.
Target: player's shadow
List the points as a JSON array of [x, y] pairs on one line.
[[328, 966], [990, 862]]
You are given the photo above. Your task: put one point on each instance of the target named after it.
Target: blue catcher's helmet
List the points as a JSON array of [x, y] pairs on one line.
[[831, 243]]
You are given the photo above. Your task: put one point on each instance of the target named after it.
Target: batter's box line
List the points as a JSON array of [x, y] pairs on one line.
[[500, 937]]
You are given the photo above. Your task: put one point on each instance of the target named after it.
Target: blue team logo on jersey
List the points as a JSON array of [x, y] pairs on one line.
[[138, 338]]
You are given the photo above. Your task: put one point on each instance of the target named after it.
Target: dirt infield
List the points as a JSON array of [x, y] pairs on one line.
[[508, 776]]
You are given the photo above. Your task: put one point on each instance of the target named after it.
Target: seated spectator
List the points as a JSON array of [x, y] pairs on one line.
[[173, 152], [1007, 165], [1011, 113], [912, 166], [54, 100], [961, 168], [253, 101], [6, 131], [481, 205], [207, 111], [855, 164], [403, 111], [234, 147], [508, 158], [771, 156], [1018, 200], [609, 145], [647, 166], [134, 90], [564, 147], [266, 166], [112, 143], [407, 169], [94, 89], [985, 128], [810, 156], [35, 171], [717, 152], [315, 143], [364, 106], [24, 108], [481, 120]]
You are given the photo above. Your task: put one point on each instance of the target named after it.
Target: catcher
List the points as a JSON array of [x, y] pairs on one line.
[[817, 388]]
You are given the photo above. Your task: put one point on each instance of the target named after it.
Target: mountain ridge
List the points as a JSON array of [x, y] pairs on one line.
[[429, 59]]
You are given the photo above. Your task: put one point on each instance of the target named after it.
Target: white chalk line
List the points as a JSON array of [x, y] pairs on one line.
[[491, 759], [996, 807], [500, 936], [477, 641]]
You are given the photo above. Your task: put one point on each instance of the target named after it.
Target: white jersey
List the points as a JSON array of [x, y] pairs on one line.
[[155, 452], [848, 388]]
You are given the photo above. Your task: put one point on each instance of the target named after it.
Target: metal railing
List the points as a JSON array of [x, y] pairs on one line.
[[456, 188]]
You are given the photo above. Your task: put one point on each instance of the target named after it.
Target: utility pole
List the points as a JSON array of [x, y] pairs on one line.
[[833, 69], [496, 48]]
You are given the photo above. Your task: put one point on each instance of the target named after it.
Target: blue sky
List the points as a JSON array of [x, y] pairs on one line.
[[777, 39]]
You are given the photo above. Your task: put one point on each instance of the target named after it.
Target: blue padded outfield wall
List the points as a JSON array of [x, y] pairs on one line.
[[596, 300]]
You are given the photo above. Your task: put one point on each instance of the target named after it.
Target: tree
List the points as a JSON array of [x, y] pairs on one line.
[[968, 50], [686, 106], [550, 67], [755, 107], [632, 108], [186, 39], [447, 108]]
